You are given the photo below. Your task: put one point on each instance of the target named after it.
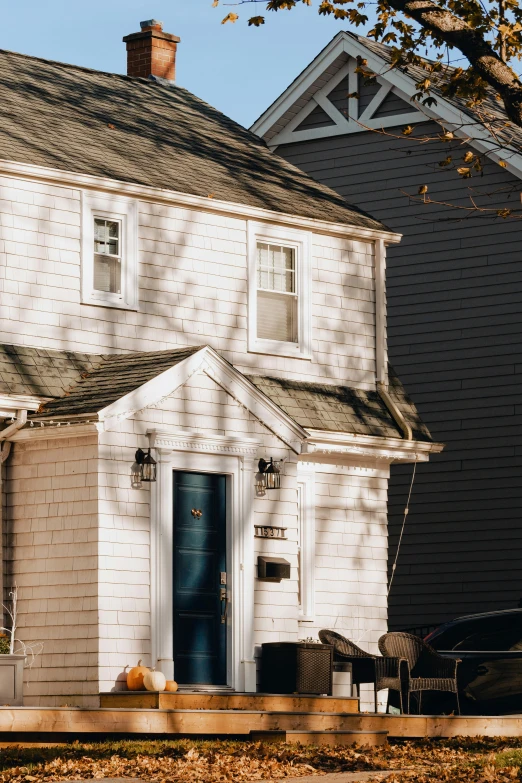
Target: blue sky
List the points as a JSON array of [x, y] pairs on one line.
[[239, 70]]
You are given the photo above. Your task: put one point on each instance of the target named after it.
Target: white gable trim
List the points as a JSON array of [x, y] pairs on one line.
[[352, 123], [450, 116], [225, 375], [303, 82]]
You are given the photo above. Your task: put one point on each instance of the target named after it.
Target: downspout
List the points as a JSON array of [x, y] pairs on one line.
[[20, 421], [380, 341]]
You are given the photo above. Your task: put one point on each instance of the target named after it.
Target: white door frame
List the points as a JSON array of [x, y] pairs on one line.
[[234, 458]]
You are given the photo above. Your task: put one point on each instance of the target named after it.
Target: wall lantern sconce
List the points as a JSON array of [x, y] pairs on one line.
[[269, 475], [147, 465]]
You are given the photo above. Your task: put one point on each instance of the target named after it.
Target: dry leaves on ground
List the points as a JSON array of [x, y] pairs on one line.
[[183, 761]]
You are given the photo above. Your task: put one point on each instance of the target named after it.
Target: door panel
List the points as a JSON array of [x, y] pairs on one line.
[[199, 559]]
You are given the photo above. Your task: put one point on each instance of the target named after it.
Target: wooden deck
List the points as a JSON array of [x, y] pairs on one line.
[[227, 700], [68, 723]]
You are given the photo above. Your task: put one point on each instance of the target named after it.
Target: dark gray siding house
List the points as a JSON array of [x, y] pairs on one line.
[[454, 318]]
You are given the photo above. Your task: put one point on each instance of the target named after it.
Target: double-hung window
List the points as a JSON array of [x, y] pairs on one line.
[[277, 299], [279, 291], [109, 251]]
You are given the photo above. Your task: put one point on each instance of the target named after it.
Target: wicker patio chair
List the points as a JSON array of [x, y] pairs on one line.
[[366, 668], [427, 670]]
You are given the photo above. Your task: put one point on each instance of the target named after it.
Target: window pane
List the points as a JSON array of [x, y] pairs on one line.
[[107, 274], [276, 317], [106, 237], [275, 267]]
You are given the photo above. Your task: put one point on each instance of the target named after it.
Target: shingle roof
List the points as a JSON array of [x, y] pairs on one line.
[[149, 132], [342, 409], [115, 376], [42, 373], [83, 384]]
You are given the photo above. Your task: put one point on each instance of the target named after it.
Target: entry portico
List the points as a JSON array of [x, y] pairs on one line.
[[201, 517]]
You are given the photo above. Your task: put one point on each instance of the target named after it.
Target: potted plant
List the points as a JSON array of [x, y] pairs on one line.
[[13, 654]]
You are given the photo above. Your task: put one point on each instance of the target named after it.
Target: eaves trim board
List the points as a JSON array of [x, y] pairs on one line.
[[149, 194], [452, 118]]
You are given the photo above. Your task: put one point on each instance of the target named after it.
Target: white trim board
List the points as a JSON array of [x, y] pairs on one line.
[[347, 449], [145, 193], [450, 116]]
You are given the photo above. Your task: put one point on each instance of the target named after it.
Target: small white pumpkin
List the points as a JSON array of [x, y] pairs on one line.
[[154, 681]]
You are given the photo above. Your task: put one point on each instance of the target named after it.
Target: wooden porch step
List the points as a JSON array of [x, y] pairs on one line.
[[227, 700], [367, 738]]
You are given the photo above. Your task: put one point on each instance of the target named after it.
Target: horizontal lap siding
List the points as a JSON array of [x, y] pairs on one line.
[[455, 322], [192, 288]]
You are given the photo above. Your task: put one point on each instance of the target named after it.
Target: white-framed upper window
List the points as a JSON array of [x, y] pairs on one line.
[[109, 251], [279, 296]]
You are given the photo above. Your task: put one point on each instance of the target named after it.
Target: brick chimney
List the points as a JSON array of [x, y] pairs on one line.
[[151, 52]]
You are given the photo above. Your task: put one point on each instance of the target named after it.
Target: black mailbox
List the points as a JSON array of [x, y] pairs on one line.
[[273, 568]]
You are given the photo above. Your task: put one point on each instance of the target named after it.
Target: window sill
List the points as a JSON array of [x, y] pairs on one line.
[[275, 348], [112, 303]]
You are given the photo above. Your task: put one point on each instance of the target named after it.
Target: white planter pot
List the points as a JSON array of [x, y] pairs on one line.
[[11, 680]]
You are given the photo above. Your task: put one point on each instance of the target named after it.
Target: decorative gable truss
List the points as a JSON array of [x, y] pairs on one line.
[[348, 104]]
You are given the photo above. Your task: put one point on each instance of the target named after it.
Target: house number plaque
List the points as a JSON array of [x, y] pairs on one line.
[[269, 531]]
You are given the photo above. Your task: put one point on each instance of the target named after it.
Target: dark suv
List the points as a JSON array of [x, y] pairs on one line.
[[490, 648]]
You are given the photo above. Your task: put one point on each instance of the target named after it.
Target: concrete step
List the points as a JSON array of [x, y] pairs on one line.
[[227, 700], [360, 738]]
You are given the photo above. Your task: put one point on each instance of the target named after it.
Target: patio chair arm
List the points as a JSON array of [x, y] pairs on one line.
[[388, 666], [439, 665]]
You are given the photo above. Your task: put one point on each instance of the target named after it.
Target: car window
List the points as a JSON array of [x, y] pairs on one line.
[[492, 633]]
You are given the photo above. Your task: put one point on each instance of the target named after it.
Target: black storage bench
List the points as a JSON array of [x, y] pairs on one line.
[[296, 667]]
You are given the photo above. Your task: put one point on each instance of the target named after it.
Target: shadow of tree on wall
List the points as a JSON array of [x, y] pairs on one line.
[[148, 132]]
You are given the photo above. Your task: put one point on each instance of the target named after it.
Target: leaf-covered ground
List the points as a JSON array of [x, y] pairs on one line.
[[462, 760]]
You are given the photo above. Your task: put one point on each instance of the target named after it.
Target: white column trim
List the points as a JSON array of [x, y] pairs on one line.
[[306, 481]]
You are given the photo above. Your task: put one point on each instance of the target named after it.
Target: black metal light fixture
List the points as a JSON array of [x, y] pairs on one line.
[[269, 474], [147, 465]]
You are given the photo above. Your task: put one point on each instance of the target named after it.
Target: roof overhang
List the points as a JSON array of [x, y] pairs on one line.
[[447, 114], [313, 445], [175, 198], [11, 403], [352, 449]]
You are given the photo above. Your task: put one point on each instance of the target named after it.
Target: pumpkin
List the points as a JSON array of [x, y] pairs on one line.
[[135, 677], [154, 681], [171, 686]]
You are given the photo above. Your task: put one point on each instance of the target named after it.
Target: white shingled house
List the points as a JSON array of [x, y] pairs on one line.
[[169, 285]]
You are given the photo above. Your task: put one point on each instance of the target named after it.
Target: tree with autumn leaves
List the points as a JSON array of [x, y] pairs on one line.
[[487, 32], [489, 35]]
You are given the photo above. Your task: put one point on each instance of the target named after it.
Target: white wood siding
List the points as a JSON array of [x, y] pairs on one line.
[[192, 288]]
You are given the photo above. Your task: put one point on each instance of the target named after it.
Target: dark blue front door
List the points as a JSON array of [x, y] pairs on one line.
[[199, 563]]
